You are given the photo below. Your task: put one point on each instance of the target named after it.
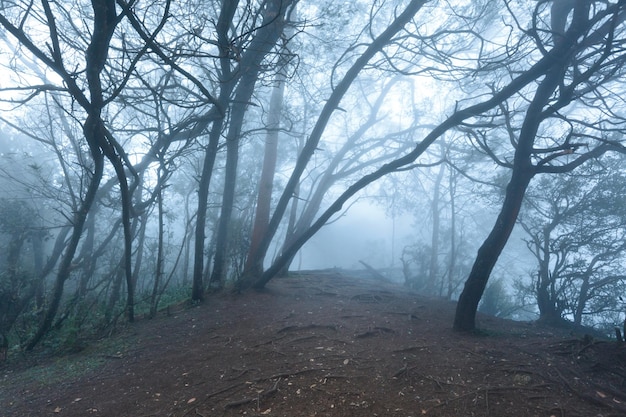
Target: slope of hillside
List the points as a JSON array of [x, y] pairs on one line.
[[325, 344]]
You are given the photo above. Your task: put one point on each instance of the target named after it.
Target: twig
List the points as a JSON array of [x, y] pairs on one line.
[[261, 396], [308, 327], [400, 371]]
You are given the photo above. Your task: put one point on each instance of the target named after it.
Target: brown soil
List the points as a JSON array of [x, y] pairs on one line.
[[329, 345]]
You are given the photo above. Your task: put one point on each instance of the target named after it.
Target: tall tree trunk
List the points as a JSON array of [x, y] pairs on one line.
[[490, 251], [523, 172], [250, 67], [227, 12], [433, 270], [254, 260], [159, 260], [216, 281], [453, 250], [197, 293]]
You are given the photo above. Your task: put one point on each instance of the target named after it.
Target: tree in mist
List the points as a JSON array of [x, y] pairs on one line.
[[311, 145], [254, 262], [577, 65], [351, 158], [152, 118], [443, 205], [576, 230], [248, 71], [18, 278], [17, 21]]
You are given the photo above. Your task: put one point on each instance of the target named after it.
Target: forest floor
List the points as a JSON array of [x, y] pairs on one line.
[[323, 344]]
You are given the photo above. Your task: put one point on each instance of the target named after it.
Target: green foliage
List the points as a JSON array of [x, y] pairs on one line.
[[16, 216], [171, 295], [17, 284], [576, 228], [496, 301]]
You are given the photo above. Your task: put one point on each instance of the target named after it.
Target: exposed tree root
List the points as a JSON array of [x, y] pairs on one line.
[[257, 399]]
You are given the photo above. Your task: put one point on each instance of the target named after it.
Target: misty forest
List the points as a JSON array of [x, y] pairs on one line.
[[159, 154]]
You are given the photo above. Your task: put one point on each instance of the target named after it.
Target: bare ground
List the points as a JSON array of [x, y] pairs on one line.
[[324, 344]]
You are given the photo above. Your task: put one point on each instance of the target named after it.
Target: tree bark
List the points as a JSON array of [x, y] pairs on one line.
[[523, 172], [197, 292], [254, 260], [223, 43], [250, 68]]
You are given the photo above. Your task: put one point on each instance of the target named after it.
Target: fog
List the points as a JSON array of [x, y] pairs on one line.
[[155, 154], [364, 233]]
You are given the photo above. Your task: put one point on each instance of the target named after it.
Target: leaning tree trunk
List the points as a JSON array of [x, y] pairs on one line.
[[311, 144], [523, 172], [491, 249]]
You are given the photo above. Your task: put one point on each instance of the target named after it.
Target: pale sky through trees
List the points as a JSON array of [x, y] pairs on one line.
[[139, 135]]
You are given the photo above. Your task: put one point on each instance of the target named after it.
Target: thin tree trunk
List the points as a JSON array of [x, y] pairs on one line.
[[159, 261], [290, 232], [223, 43], [433, 270], [261, 45], [197, 293], [87, 256], [545, 298], [453, 249]]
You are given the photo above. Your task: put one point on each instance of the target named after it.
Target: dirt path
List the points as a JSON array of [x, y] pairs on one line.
[[327, 345]]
